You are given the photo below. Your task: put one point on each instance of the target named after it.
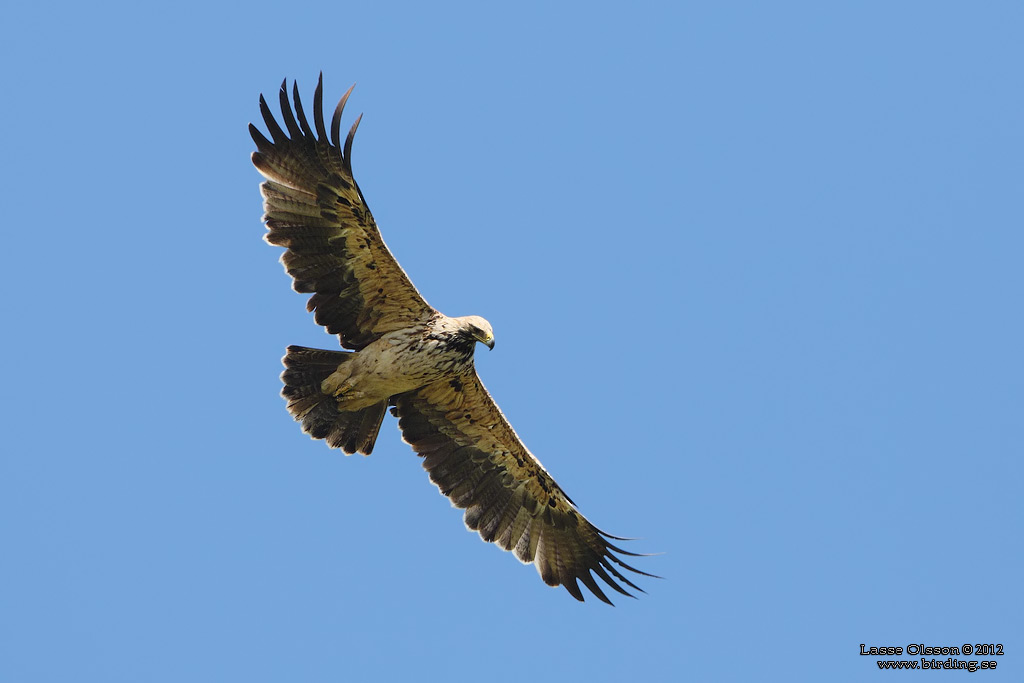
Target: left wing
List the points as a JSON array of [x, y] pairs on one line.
[[478, 461], [314, 209]]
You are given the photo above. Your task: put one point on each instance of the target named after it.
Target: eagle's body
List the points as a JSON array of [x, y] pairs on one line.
[[404, 360], [405, 354]]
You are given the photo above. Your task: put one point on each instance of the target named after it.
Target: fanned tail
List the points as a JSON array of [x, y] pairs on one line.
[[305, 370]]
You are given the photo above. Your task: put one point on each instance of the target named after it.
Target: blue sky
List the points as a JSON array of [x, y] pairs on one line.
[[754, 271]]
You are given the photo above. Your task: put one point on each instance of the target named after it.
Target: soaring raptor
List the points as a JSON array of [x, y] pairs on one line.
[[405, 354]]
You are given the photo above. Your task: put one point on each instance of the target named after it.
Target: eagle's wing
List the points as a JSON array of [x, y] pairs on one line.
[[315, 209], [478, 461]]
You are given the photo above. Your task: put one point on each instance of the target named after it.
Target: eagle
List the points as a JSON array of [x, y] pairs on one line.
[[405, 355]]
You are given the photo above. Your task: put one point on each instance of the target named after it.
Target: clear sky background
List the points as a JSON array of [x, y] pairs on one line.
[[755, 275]]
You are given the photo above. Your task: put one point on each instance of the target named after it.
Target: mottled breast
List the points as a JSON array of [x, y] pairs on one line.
[[420, 356]]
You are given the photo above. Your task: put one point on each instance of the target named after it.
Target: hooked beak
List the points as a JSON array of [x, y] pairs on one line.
[[490, 344]]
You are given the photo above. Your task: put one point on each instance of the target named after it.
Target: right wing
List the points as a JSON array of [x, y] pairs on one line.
[[477, 461]]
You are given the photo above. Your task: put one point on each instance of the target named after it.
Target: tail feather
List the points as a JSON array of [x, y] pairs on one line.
[[320, 414]]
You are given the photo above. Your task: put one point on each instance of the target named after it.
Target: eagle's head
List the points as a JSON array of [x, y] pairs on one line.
[[479, 329]]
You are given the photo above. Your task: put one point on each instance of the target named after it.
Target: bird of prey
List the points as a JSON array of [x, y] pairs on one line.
[[404, 354]]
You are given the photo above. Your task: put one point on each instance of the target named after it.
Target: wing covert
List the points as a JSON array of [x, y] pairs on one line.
[[314, 208], [476, 459]]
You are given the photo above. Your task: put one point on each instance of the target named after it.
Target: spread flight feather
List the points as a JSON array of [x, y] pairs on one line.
[[405, 354]]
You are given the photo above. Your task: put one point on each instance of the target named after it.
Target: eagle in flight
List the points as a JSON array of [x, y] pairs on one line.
[[406, 355]]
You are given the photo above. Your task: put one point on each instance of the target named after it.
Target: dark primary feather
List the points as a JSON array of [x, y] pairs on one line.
[[315, 209], [476, 459]]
